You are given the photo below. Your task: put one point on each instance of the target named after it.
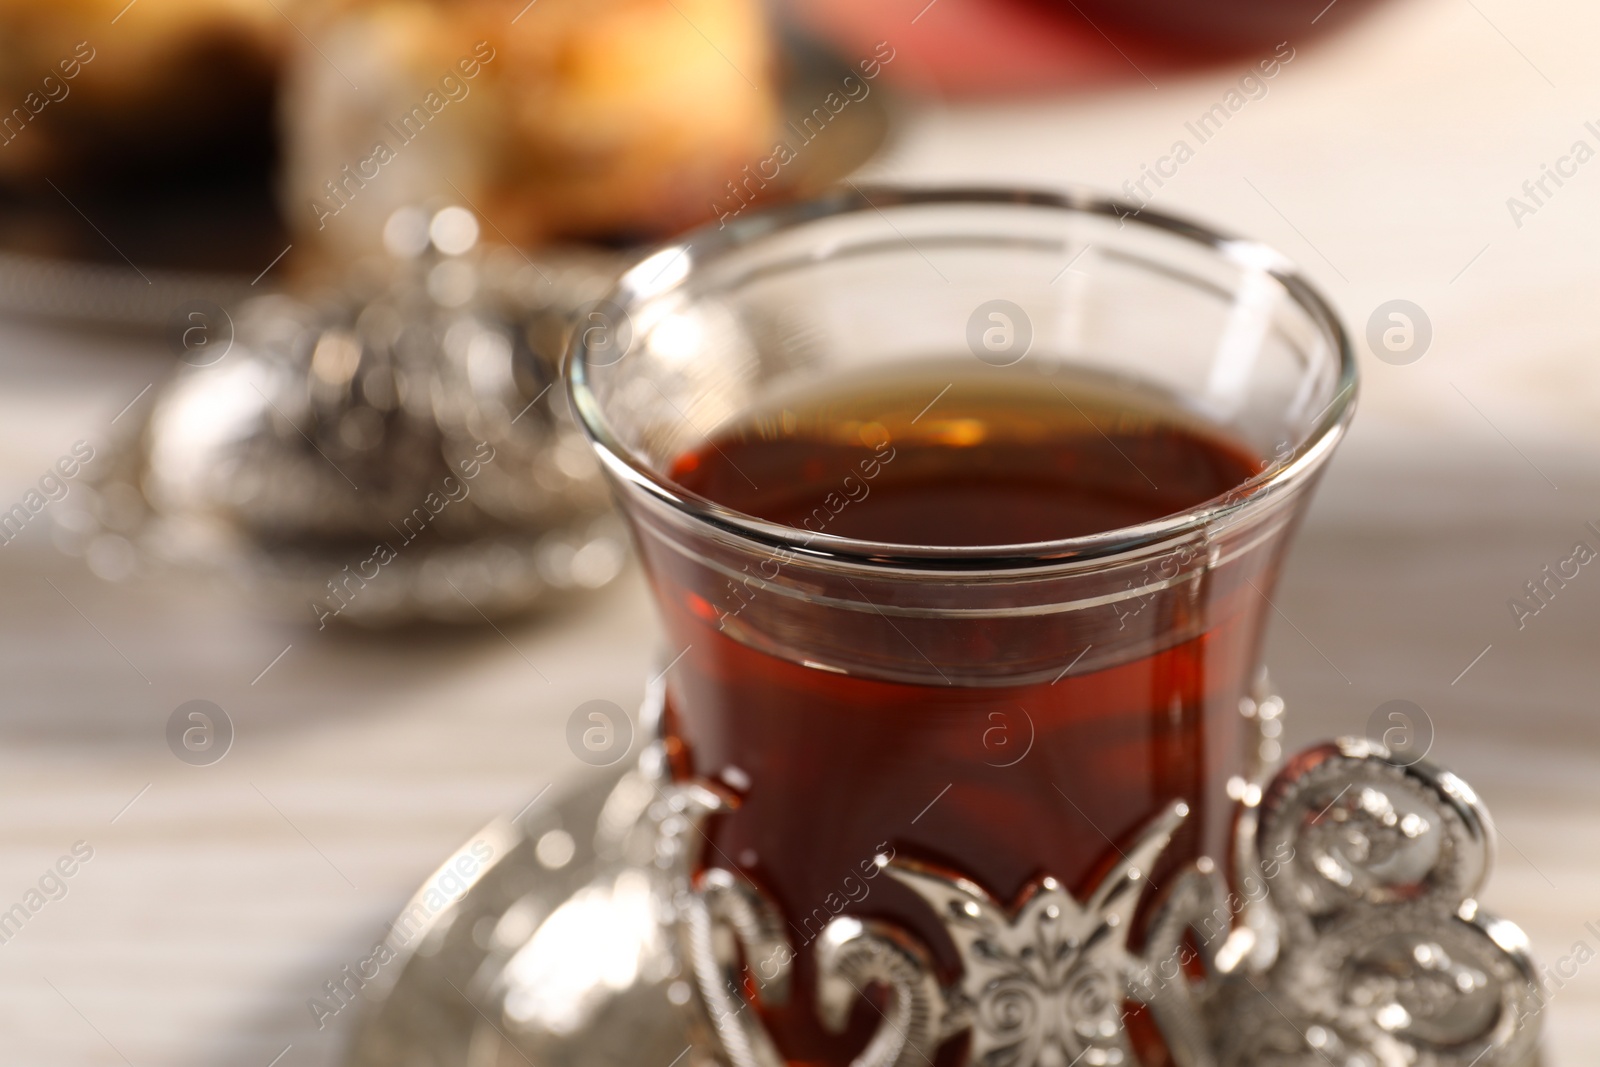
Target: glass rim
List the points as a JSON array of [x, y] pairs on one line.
[[1308, 455]]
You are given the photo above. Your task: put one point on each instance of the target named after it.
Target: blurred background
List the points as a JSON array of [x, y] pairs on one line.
[[254, 250]]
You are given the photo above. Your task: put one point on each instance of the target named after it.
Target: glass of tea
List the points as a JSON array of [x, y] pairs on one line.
[[963, 511]]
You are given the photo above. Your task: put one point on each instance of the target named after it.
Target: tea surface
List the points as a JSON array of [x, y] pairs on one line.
[[945, 456]]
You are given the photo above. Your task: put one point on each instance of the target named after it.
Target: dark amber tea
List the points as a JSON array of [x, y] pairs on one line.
[[1016, 737], [950, 455]]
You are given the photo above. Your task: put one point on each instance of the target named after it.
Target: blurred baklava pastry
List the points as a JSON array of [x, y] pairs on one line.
[[608, 119]]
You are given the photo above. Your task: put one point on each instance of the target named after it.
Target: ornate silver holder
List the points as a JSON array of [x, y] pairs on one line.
[[1346, 933]]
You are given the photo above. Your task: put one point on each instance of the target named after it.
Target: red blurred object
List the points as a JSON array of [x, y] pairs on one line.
[[1213, 28], [998, 47]]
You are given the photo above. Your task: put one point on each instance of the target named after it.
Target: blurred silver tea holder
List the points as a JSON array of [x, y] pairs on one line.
[[391, 448]]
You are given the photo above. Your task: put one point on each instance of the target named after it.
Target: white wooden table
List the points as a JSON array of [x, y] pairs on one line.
[[219, 899]]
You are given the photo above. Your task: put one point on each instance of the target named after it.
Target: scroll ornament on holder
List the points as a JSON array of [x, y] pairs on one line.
[[1351, 936]]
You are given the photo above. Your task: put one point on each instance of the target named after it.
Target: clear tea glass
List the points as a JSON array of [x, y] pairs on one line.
[[1006, 710]]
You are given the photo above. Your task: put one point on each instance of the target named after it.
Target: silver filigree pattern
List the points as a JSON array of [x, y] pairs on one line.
[[1366, 947], [1192, 924], [1343, 933], [728, 931], [1385, 958], [1376, 952], [1347, 933], [1043, 982], [853, 954], [726, 920]]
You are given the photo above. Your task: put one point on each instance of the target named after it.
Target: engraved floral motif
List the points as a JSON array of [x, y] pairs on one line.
[[1042, 983], [1369, 950]]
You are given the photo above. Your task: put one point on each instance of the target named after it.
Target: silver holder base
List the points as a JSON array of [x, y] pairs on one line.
[[1347, 936]]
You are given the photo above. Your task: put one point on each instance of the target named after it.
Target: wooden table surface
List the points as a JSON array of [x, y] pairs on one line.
[[218, 899]]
